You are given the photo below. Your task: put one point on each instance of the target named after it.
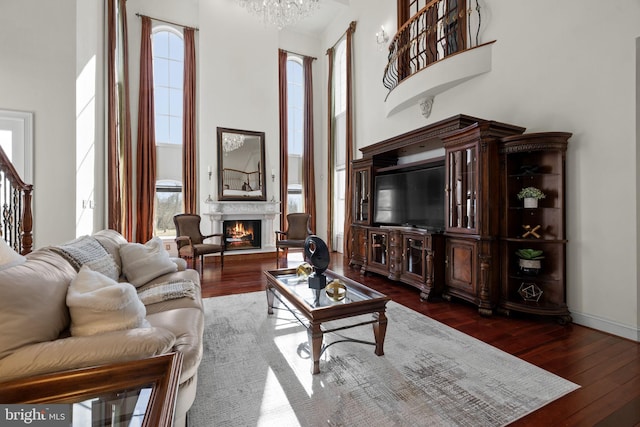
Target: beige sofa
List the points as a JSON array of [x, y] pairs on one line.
[[38, 326]]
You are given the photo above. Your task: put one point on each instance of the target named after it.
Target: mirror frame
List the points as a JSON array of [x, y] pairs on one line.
[[251, 195]]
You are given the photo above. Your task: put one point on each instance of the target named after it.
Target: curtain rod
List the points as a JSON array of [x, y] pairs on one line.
[[300, 54], [352, 28], [167, 22]]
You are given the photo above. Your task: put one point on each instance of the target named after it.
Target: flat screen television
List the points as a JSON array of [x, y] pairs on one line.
[[411, 198]]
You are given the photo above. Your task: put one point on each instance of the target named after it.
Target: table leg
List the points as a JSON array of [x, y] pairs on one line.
[[315, 346], [269, 300], [379, 331]]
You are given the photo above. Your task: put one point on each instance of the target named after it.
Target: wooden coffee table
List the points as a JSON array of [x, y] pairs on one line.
[[296, 296]]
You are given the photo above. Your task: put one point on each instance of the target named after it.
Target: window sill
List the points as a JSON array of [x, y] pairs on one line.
[[439, 77]]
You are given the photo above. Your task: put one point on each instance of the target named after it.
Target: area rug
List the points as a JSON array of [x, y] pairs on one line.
[[256, 372]]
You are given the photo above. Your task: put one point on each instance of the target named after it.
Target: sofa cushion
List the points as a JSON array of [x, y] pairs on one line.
[[9, 257], [99, 304], [190, 275], [143, 263], [111, 240], [32, 300], [87, 250]]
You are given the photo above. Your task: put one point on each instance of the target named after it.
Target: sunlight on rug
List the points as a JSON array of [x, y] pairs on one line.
[[256, 372]]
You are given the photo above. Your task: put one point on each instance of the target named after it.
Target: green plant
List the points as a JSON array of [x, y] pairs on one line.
[[531, 192], [530, 253]]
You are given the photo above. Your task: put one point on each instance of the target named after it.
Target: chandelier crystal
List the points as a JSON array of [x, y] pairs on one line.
[[232, 141], [280, 12]]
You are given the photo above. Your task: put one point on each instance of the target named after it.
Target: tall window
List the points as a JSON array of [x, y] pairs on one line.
[[340, 143], [295, 134], [168, 70]]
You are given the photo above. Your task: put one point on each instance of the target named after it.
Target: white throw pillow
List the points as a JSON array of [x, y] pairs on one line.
[[99, 304], [143, 263], [8, 257]]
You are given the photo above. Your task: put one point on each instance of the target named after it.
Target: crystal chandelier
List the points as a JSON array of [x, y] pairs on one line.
[[280, 12], [232, 141]]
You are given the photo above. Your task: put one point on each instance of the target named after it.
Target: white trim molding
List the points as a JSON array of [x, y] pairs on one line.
[[21, 125], [606, 325]]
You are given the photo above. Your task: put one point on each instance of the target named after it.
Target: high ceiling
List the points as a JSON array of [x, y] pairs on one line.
[[316, 23]]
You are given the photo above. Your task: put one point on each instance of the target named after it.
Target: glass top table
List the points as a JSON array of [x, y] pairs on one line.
[[316, 307]]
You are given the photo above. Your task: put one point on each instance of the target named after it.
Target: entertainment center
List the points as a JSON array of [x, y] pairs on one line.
[[451, 225]]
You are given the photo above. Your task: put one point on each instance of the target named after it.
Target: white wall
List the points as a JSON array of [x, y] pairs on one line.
[[38, 74]]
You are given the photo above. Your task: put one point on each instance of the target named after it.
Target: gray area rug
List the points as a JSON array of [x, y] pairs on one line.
[[256, 372]]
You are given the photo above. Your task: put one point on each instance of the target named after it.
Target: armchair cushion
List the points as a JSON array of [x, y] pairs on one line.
[[142, 263], [99, 304]]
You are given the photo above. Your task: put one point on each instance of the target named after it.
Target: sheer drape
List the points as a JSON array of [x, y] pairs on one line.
[[284, 142], [309, 176], [119, 175], [189, 180], [146, 152], [348, 209], [330, 132]]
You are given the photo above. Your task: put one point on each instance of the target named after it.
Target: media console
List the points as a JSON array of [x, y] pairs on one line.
[[469, 252]]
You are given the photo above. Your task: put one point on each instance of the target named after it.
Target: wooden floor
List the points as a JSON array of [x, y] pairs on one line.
[[606, 367]]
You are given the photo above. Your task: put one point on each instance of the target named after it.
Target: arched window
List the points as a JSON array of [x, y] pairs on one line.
[[339, 140], [168, 71], [295, 134]]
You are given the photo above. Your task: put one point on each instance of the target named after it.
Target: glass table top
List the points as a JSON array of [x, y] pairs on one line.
[[299, 286]]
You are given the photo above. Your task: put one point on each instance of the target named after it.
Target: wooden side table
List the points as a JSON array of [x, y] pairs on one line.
[[108, 391]]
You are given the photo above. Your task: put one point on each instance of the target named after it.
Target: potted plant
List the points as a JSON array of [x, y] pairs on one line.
[[531, 195], [530, 263]]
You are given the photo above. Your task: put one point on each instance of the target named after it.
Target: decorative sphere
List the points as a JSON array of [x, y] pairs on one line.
[[304, 270]]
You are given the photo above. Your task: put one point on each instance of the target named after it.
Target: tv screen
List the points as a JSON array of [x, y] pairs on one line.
[[411, 198]]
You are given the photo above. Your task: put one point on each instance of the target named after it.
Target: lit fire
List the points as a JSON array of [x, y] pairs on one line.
[[238, 230]]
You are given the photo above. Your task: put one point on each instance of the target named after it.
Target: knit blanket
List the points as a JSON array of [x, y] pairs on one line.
[[164, 291], [87, 250]]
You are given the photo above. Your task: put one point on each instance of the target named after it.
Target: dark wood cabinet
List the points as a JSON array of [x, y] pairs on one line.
[[418, 266], [472, 264], [378, 251], [358, 245], [534, 160], [474, 258]]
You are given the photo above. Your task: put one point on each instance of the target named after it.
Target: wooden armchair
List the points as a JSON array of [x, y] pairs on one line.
[[298, 229], [190, 240]]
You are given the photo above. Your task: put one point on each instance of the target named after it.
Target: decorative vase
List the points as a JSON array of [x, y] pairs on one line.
[[530, 202], [530, 267]]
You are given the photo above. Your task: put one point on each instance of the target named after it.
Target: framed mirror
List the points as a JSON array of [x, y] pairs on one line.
[[241, 174]]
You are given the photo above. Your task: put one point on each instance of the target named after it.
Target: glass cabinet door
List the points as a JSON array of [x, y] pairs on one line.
[[463, 188], [361, 196], [379, 242], [414, 256]]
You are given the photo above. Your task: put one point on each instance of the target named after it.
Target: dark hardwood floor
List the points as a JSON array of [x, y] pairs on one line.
[[605, 366]]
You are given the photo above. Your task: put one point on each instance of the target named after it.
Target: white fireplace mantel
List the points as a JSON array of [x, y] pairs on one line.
[[266, 212]]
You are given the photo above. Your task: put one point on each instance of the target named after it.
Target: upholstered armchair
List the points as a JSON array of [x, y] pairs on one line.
[[190, 240], [298, 229]]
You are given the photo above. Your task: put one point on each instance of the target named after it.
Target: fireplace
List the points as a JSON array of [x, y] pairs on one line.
[[240, 234], [221, 212]]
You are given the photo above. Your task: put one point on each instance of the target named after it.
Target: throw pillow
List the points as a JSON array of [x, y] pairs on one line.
[[143, 263], [8, 257], [99, 304], [87, 250]]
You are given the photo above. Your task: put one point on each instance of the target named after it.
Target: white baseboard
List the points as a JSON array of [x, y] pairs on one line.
[[605, 325]]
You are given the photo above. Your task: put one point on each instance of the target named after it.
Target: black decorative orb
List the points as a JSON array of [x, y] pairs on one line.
[[316, 253]]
